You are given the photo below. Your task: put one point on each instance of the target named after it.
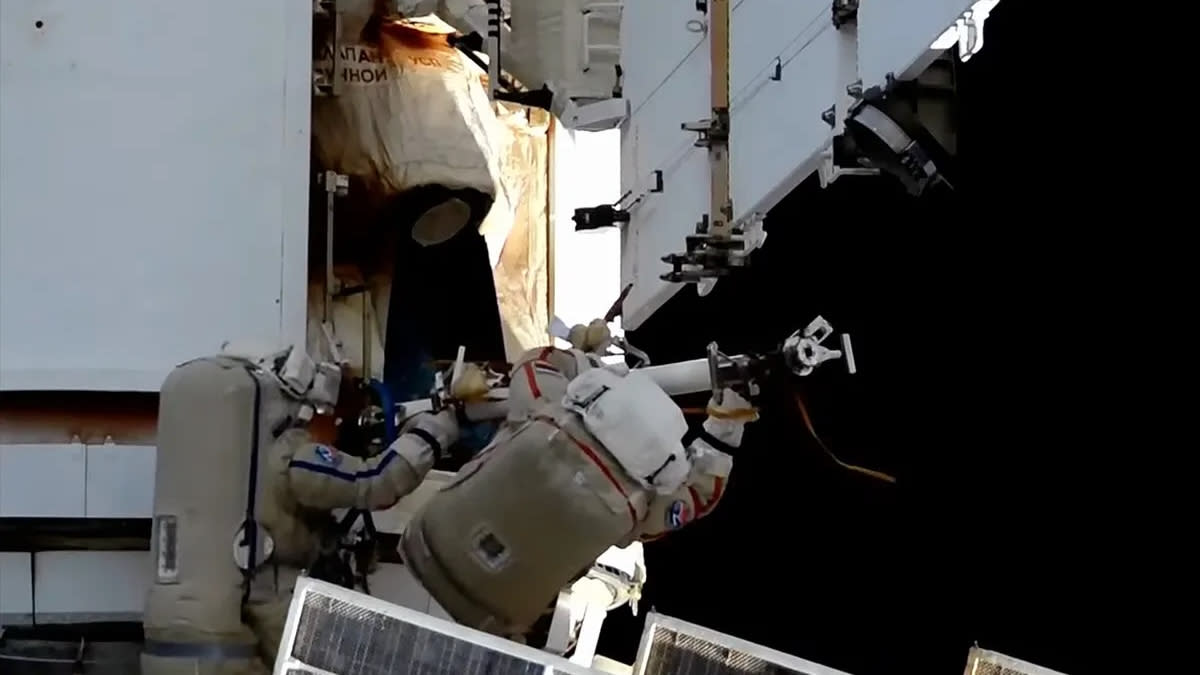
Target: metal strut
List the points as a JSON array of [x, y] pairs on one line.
[[717, 245]]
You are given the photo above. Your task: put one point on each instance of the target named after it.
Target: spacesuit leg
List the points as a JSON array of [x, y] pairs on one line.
[[267, 620], [266, 611]]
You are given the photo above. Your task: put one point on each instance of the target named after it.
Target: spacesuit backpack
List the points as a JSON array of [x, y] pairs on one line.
[[218, 416], [533, 511]]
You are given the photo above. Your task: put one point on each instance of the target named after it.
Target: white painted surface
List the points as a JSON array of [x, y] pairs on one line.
[[42, 481], [396, 519], [155, 185], [666, 82], [16, 588], [96, 585], [396, 584], [587, 268], [895, 37], [776, 127], [120, 481]]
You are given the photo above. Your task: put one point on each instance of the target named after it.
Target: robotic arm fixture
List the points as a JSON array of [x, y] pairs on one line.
[[560, 56], [798, 356]]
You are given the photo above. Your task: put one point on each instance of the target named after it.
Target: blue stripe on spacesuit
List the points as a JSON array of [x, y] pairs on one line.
[[344, 475]]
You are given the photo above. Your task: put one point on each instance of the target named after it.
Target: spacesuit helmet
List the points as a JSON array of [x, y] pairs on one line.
[[300, 376]]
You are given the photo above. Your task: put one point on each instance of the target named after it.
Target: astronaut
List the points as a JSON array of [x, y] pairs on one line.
[[251, 407], [307, 480], [590, 457]]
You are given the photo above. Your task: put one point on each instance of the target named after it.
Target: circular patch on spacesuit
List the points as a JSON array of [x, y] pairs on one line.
[[328, 455], [678, 514]]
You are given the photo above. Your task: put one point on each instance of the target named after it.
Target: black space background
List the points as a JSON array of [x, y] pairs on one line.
[[974, 320]]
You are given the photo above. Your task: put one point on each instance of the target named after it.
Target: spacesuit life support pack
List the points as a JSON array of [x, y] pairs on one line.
[[591, 458], [243, 501]]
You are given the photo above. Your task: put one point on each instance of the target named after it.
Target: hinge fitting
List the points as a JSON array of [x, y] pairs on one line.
[[712, 131]]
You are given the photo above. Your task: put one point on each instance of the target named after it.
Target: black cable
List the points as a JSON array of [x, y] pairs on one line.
[[33, 588], [250, 525]]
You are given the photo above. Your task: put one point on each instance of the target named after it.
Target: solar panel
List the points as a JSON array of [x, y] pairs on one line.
[[335, 630], [985, 662], [673, 647]]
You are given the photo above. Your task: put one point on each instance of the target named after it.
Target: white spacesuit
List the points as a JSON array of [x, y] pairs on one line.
[[208, 611], [589, 458]]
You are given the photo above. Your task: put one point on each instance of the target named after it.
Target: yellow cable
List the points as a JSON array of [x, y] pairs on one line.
[[879, 475], [736, 415]]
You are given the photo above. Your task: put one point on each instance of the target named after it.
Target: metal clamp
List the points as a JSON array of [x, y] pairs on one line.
[[803, 350], [844, 12], [730, 372], [712, 131], [709, 256], [335, 185], [899, 153], [324, 84], [642, 358]]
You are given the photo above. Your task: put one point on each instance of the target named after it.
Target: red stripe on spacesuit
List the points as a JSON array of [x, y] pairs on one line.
[[533, 386], [718, 486], [697, 502], [591, 454], [545, 353]]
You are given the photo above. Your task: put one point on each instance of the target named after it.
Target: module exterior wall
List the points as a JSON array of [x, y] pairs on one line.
[[155, 180]]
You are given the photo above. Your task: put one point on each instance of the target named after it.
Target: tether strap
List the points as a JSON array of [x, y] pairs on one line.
[[878, 475], [250, 525], [651, 477], [429, 440], [702, 434]]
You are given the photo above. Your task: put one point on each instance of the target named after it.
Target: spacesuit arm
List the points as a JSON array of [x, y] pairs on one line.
[[709, 476], [696, 499], [321, 477]]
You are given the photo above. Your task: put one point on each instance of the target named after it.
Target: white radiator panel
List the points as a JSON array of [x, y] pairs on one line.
[[666, 82], [775, 125], [894, 37], [784, 73]]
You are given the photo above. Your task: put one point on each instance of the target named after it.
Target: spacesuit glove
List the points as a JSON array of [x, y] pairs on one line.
[[472, 383], [728, 418], [593, 338]]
